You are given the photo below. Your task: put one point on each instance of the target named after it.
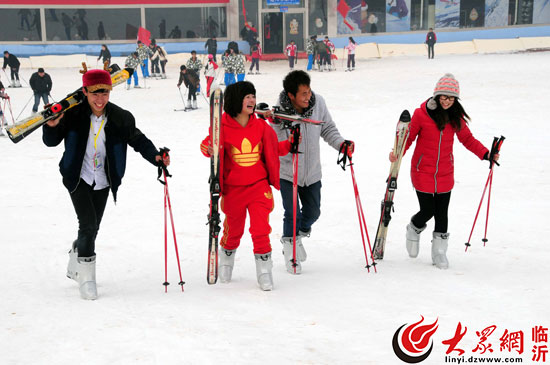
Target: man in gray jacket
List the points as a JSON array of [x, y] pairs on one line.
[[297, 98]]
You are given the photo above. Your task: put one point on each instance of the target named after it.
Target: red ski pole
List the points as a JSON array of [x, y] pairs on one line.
[[478, 208], [168, 207], [295, 131]]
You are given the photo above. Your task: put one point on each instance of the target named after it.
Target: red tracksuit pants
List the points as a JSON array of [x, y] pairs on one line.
[[209, 80], [258, 200]]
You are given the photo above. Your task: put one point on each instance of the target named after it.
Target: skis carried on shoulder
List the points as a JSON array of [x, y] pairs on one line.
[[280, 116], [24, 127], [401, 135], [216, 107]]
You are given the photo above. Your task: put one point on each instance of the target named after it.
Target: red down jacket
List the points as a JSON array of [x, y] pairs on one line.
[[432, 164]]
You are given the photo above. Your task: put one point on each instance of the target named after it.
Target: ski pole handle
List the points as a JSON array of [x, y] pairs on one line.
[[344, 154], [295, 133]]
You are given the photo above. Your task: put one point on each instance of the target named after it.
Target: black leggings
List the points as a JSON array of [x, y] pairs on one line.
[[433, 205]]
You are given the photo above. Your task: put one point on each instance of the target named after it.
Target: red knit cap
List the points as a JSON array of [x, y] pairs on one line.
[[447, 85], [94, 80]]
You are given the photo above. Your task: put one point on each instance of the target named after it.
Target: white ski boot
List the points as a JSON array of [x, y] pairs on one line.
[[263, 271], [288, 254], [17, 83], [163, 76], [440, 243], [188, 105], [413, 239], [227, 261], [128, 86], [82, 270], [194, 104]]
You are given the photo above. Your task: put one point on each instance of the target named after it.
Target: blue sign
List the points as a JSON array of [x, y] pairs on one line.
[[283, 2], [283, 9]]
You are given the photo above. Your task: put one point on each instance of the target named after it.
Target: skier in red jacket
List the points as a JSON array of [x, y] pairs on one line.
[[436, 123], [249, 158]]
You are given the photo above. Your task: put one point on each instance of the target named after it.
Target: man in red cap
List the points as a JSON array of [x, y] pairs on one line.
[[96, 135]]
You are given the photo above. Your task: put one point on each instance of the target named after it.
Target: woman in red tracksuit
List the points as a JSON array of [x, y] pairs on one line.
[[435, 124], [249, 157]]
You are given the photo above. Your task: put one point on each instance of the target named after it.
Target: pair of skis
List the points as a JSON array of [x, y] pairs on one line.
[[23, 128]]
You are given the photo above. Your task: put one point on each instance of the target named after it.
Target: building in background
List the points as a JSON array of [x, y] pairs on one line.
[[272, 22]]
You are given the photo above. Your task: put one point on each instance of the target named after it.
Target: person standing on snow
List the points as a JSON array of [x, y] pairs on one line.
[[351, 54], [106, 54], [310, 50], [211, 47], [12, 61], [249, 161], [144, 53], [431, 39], [191, 80], [291, 52], [96, 134], [297, 98], [436, 123], [161, 55], [41, 85], [195, 65], [210, 73], [132, 61]]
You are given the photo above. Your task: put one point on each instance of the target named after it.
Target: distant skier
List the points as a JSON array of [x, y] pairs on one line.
[[195, 65], [297, 98], [435, 123], [41, 85], [256, 54], [431, 39], [191, 80], [12, 61], [210, 73], [96, 134], [105, 54], [291, 51], [351, 54], [132, 61]]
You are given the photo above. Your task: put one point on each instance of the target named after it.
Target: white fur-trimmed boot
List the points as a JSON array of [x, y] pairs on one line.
[[227, 261], [85, 277], [194, 104], [264, 264], [440, 243], [73, 262], [288, 248], [188, 105], [413, 239]]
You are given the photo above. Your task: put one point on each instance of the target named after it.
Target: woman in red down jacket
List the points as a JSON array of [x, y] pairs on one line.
[[435, 125]]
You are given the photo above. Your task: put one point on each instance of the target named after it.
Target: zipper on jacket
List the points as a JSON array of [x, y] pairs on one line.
[[437, 162], [418, 164]]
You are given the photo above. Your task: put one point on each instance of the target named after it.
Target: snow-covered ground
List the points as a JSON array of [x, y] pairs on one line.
[[335, 312]]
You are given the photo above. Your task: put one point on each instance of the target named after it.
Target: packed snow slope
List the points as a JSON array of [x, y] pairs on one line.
[[335, 312]]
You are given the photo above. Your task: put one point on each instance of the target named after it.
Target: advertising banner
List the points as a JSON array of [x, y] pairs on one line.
[[496, 13], [398, 17], [447, 13]]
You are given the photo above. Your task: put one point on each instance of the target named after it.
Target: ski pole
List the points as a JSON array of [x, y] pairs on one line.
[[22, 110], [346, 154], [168, 207], [295, 132], [182, 100], [495, 149]]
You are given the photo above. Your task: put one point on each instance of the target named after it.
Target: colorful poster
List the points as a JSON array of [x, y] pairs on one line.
[[541, 12], [496, 13], [349, 16], [447, 13], [398, 17]]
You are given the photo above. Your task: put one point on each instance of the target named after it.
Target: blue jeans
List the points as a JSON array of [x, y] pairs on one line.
[[145, 68], [37, 97], [135, 76], [309, 62], [310, 197]]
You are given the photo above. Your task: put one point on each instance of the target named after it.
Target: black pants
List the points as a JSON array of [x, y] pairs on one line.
[[433, 205], [255, 61], [351, 60], [89, 206], [430, 50], [192, 94], [14, 73]]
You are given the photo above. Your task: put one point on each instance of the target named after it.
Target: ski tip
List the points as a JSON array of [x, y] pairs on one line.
[[405, 116]]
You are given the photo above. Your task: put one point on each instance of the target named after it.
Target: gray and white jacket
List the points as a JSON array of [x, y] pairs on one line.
[[309, 158]]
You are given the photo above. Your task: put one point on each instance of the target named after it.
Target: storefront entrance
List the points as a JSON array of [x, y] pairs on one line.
[[278, 29]]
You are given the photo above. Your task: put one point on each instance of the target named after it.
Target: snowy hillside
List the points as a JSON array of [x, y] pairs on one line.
[[335, 312]]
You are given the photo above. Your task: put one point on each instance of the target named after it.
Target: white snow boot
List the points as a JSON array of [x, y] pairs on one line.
[[128, 86], [73, 262], [413, 239], [188, 105], [163, 76], [440, 243], [227, 261], [288, 254], [300, 250], [264, 264], [12, 83], [17, 83], [85, 277], [195, 104]]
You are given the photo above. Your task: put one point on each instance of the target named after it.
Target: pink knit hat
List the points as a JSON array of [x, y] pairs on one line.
[[447, 85]]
